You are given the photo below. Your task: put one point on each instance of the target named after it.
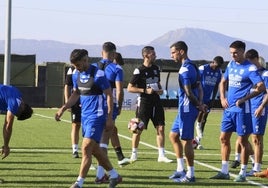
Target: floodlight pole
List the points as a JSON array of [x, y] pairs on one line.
[[7, 61]]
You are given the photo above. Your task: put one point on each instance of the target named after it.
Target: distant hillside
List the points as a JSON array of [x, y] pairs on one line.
[[203, 45]]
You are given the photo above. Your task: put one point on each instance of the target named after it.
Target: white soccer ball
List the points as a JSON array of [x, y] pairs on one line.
[[135, 125]]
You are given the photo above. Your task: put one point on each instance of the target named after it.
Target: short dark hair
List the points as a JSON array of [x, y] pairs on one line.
[[26, 113], [146, 49], [108, 47], [238, 45], [251, 54], [77, 55], [219, 60], [118, 58], [180, 45]]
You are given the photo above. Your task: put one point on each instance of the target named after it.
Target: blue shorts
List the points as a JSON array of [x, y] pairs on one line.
[[239, 122], [259, 123], [93, 127], [184, 124]]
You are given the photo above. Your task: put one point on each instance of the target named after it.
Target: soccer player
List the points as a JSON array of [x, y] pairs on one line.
[[146, 81], [11, 104], [259, 114], [114, 74], [238, 79], [90, 84], [75, 112], [210, 76], [189, 104], [118, 60]]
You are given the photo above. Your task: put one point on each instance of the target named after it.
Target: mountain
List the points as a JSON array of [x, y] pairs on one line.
[[203, 45]]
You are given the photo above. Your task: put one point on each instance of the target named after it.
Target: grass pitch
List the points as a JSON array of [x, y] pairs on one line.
[[41, 156]]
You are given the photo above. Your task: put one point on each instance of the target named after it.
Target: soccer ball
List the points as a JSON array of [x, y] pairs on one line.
[[135, 125], [194, 143]]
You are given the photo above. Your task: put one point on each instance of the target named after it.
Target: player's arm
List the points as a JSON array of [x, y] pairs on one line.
[[109, 99], [159, 90], [67, 92], [68, 85], [70, 102], [7, 131], [200, 92], [193, 99], [223, 89], [133, 89], [260, 87], [264, 103], [119, 95]]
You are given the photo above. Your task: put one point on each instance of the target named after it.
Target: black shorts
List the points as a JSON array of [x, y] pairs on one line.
[[147, 110], [76, 113]]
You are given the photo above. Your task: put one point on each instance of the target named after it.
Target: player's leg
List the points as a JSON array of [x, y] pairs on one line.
[[142, 112], [87, 148], [198, 127], [160, 140], [122, 160], [158, 119], [75, 132], [174, 138], [236, 162]]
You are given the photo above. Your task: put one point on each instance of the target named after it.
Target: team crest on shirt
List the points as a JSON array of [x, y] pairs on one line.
[[84, 78], [155, 72], [241, 71], [136, 71]]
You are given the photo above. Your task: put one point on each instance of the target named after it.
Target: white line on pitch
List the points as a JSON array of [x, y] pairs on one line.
[[169, 152]]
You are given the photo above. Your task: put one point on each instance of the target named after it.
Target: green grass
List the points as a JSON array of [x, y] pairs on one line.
[[41, 156]]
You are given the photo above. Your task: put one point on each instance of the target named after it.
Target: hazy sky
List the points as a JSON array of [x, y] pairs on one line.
[[132, 21]]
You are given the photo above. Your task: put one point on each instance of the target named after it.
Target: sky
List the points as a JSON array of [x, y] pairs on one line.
[[127, 22]]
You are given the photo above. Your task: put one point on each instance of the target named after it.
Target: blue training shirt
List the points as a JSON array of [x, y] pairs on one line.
[[10, 99], [241, 77], [93, 104], [114, 73], [188, 75], [209, 79], [256, 101]]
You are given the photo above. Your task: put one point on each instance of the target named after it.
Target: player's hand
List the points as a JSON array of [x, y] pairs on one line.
[[149, 90], [224, 103], [5, 151], [58, 114], [239, 102], [203, 107], [159, 92], [258, 112]]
